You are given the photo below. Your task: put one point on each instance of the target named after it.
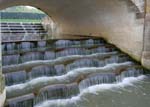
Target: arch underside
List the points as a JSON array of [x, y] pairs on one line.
[[121, 22]]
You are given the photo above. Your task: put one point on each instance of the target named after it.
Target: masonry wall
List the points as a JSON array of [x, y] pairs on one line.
[[146, 50], [118, 21]]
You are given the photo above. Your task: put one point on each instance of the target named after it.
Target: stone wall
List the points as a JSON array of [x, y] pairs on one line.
[[118, 21], [146, 50]]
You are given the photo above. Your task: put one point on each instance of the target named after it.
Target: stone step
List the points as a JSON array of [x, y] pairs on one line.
[[62, 60], [79, 74]]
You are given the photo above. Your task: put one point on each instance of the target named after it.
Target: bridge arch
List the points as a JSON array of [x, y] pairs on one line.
[[121, 22]]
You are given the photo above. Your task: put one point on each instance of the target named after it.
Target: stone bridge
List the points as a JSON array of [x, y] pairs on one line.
[[125, 23]]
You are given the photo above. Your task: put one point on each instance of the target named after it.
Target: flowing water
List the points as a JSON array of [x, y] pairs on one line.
[[85, 73]]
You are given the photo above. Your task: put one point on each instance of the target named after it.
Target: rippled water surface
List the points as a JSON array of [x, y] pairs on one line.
[[131, 92]]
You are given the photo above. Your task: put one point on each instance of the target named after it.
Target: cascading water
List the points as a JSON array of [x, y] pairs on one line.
[[26, 46], [31, 56], [73, 73], [60, 69], [83, 63], [24, 101], [71, 51], [10, 59], [15, 78], [49, 55], [97, 79], [63, 43], [42, 71], [57, 92], [132, 72]]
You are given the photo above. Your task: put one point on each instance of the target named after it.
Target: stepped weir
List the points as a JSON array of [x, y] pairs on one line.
[[68, 73]]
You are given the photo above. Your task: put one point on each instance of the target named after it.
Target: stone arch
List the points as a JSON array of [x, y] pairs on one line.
[[111, 19], [114, 20]]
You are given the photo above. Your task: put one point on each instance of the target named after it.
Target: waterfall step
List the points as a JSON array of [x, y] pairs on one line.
[[72, 76], [104, 58], [66, 91], [73, 67]]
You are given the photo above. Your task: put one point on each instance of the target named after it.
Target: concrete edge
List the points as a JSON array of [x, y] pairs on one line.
[[2, 98]]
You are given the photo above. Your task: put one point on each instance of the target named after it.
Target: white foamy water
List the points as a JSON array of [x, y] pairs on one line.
[[71, 76], [73, 73], [130, 81], [60, 60]]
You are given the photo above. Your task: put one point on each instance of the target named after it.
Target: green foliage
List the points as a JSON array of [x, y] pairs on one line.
[[26, 9]]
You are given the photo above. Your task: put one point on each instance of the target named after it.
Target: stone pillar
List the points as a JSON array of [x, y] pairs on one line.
[[146, 48]]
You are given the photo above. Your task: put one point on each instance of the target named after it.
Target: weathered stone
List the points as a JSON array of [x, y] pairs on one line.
[[146, 49]]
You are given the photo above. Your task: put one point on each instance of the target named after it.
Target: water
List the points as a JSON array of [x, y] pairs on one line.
[[41, 44], [41, 71], [29, 53], [75, 75], [132, 92], [131, 72], [23, 101], [83, 63], [57, 92], [10, 59], [71, 51], [15, 78], [87, 76], [102, 49], [31, 56], [97, 79], [10, 47], [60, 69], [63, 43], [49, 55], [26, 46]]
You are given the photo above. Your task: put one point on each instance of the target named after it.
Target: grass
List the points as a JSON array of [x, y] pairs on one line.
[[20, 20]]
